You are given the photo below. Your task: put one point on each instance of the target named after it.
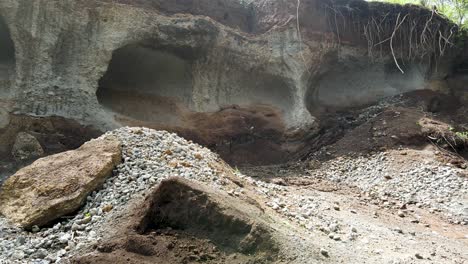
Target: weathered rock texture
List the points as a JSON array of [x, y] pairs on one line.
[[26, 147], [157, 63], [58, 185]]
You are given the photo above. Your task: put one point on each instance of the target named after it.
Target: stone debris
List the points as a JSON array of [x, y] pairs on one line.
[[439, 188], [151, 156], [146, 161]]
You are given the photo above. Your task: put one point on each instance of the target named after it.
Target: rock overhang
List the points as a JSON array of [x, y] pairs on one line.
[[253, 58]]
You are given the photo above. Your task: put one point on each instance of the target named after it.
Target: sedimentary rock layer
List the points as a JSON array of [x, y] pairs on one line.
[[166, 64]]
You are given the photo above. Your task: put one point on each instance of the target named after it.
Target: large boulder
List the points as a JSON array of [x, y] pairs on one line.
[[26, 147], [58, 185]]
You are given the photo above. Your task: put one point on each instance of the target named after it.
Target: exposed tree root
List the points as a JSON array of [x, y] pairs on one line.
[[408, 32]]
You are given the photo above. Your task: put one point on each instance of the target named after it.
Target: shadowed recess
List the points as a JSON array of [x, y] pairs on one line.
[[7, 51], [146, 84]]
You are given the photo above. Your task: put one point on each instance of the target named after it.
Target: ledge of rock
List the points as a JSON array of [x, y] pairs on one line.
[[58, 185]]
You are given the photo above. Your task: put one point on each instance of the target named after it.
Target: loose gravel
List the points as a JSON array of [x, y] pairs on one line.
[[149, 156], [440, 188]]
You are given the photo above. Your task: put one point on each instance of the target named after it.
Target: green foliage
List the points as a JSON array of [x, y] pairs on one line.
[[462, 135], [455, 10]]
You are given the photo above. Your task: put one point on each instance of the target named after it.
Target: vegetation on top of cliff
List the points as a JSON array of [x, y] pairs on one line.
[[455, 10], [409, 32]]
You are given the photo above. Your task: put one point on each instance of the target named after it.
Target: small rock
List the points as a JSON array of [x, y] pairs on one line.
[[194, 258], [41, 253], [35, 229], [107, 208], [84, 221], [64, 239], [77, 227], [21, 240], [324, 252], [418, 256], [18, 254], [93, 211], [400, 213]]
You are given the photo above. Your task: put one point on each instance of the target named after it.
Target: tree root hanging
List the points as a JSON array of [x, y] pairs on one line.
[[410, 32]]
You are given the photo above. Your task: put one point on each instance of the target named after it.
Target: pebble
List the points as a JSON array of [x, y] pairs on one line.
[[41, 253], [65, 238], [20, 240], [35, 229], [324, 252]]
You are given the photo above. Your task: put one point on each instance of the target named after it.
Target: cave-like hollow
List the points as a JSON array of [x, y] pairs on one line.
[[146, 84], [155, 86], [356, 84], [7, 52]]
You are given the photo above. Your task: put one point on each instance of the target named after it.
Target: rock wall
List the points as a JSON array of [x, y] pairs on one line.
[[95, 61]]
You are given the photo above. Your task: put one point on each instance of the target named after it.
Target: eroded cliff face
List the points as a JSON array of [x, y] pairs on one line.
[[233, 75]]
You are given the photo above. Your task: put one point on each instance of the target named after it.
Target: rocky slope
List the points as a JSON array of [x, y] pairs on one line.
[[345, 210]]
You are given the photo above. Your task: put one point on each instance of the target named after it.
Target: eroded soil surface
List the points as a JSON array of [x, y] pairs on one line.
[[182, 222], [391, 188]]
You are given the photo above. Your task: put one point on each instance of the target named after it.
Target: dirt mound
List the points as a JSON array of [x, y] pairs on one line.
[[236, 133], [417, 119], [391, 128], [184, 222], [432, 102]]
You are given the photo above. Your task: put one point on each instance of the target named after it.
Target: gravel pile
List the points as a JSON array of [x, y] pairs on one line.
[[149, 157], [437, 187]]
